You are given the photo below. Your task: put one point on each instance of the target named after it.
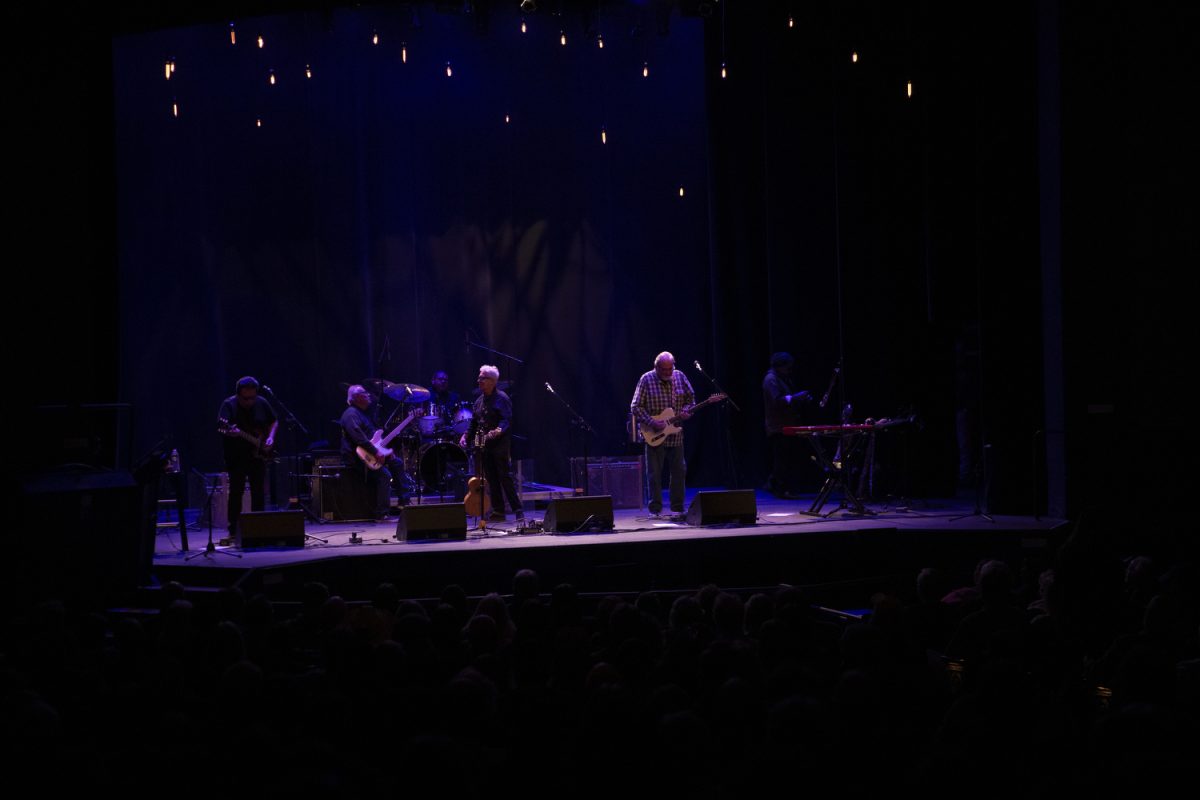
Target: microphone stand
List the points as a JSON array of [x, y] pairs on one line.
[[513, 359], [292, 422], [728, 436], [832, 382], [584, 428], [211, 489]]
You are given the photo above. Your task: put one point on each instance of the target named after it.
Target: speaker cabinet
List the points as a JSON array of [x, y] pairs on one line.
[[440, 522], [622, 479], [344, 495], [270, 529], [716, 508], [579, 514]]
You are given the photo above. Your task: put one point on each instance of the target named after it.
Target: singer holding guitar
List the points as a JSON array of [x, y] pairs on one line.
[[357, 430], [248, 424], [491, 430], [662, 388]]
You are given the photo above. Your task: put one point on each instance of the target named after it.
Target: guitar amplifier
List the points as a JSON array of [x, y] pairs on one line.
[[620, 478], [325, 464]]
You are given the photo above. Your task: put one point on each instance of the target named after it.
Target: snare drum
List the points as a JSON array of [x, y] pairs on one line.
[[462, 418], [432, 421]]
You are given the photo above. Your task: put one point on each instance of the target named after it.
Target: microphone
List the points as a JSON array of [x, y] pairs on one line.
[[698, 367], [549, 388], [266, 388]]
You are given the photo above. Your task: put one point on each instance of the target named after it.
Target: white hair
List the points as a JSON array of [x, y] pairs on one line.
[[663, 356], [489, 371], [353, 390]]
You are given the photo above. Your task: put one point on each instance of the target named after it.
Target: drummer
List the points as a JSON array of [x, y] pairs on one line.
[[439, 391], [440, 408]]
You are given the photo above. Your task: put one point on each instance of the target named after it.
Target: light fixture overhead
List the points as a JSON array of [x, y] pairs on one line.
[[529, 6]]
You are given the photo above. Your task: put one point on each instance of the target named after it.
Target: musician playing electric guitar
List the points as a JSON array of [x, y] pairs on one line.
[[662, 388], [248, 423], [364, 457]]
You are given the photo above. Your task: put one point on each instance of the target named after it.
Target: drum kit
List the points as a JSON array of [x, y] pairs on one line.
[[429, 453]]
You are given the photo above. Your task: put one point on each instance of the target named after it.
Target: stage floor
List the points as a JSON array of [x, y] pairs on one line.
[[642, 551]]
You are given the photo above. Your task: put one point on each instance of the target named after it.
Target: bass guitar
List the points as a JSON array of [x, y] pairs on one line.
[[672, 419], [380, 442]]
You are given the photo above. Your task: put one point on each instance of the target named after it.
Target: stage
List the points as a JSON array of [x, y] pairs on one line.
[[882, 549]]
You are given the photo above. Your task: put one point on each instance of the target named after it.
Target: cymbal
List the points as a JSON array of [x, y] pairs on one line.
[[378, 385], [407, 393]]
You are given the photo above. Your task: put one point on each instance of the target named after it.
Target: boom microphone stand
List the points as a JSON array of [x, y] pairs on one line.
[[582, 424], [210, 490], [728, 436], [291, 422]]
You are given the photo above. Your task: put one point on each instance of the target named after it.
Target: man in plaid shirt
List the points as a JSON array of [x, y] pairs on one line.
[[659, 389]]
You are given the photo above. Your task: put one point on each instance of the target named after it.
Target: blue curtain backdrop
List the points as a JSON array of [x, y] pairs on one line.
[[383, 213]]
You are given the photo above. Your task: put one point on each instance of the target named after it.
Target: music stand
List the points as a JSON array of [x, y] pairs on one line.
[[210, 548]]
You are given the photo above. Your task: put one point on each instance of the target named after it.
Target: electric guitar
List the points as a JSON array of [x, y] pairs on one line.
[[655, 438], [260, 451], [380, 442]]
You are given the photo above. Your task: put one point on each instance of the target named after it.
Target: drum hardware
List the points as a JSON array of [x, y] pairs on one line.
[[441, 464]]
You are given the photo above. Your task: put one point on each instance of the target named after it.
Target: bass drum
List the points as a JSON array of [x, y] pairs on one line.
[[443, 467], [462, 419]]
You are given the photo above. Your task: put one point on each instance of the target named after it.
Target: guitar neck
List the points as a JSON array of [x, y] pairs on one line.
[[397, 430], [716, 398], [241, 434]]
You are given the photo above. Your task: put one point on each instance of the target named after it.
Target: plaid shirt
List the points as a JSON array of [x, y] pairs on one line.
[[653, 395]]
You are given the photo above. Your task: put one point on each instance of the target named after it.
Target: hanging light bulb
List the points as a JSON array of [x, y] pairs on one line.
[[854, 57], [681, 191], [523, 25], [232, 34], [603, 135], [908, 89], [258, 122], [791, 22], [271, 77], [645, 69], [307, 71], [168, 68], [260, 42], [507, 119], [449, 71], [724, 72], [174, 108], [403, 53], [600, 40], [562, 38], [374, 37]]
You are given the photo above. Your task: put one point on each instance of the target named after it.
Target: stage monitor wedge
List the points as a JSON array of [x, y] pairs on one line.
[[436, 522], [717, 508], [579, 514], [270, 529]]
